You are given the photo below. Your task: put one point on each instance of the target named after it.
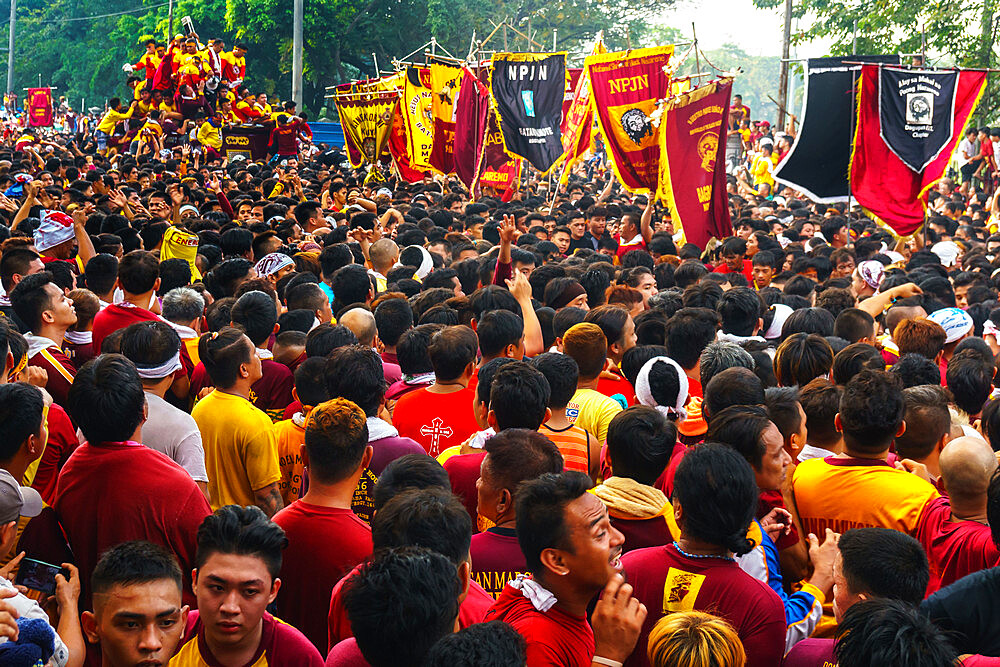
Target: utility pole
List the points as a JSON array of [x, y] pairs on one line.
[[785, 46], [170, 23], [297, 54], [10, 47]]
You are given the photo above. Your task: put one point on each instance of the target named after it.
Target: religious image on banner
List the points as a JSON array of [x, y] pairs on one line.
[[366, 119], [692, 181], [818, 161], [909, 123], [915, 114], [39, 107], [446, 81], [418, 116], [624, 88], [527, 91], [578, 119]]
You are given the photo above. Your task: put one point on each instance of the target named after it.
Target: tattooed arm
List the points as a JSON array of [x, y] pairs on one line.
[[269, 499]]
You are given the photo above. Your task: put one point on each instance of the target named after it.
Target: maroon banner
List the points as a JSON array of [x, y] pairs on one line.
[[39, 107], [692, 167], [471, 112], [881, 182]]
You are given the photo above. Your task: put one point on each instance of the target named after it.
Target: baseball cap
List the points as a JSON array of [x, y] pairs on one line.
[[16, 500], [955, 322]]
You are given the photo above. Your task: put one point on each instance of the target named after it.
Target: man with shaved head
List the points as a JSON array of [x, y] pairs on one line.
[[383, 255], [361, 321], [954, 529]]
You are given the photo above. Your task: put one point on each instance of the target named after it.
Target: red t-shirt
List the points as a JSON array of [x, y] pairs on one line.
[[667, 581], [324, 544], [346, 654], [812, 652], [121, 491], [463, 471], [61, 443], [496, 558], [118, 316], [747, 269], [271, 394], [471, 611], [436, 421], [954, 548], [554, 638], [620, 385]]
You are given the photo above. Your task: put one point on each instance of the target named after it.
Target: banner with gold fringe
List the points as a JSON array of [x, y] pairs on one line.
[[625, 87], [579, 118], [367, 121], [692, 167]]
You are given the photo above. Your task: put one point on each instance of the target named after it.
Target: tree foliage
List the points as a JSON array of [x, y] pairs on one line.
[[343, 39]]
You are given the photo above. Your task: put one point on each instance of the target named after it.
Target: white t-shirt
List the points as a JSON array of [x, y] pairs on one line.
[[966, 147], [174, 432]]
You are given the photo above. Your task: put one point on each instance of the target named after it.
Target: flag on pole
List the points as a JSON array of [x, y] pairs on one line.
[[39, 107], [692, 181], [579, 118], [527, 91], [909, 123], [624, 88], [445, 83], [367, 121]]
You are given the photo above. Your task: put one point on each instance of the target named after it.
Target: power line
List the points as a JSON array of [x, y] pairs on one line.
[[98, 16]]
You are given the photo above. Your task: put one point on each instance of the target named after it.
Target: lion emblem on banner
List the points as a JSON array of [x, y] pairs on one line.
[[708, 148], [636, 125]]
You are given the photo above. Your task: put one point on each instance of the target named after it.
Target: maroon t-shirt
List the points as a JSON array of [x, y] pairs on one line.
[[272, 393], [324, 544], [496, 558], [642, 533], [61, 444], [667, 581], [116, 492], [463, 471], [811, 652], [281, 645]]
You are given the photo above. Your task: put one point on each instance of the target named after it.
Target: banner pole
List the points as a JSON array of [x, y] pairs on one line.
[[850, 143]]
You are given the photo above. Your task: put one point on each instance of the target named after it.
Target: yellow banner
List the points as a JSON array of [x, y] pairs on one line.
[[416, 106], [366, 120]]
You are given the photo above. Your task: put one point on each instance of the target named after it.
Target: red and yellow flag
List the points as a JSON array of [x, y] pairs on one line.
[[624, 89]]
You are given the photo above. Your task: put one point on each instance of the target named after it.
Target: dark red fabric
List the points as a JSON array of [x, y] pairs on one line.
[[954, 548], [463, 471], [324, 544]]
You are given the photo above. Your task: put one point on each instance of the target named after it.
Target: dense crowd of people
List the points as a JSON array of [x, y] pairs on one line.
[[271, 413]]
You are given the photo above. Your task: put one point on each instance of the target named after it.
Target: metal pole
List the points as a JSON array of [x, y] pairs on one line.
[[170, 22], [10, 47], [854, 46], [785, 45], [297, 53], [555, 32]]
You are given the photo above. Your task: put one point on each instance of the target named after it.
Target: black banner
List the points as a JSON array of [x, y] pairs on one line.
[[528, 89], [916, 112], [819, 160]]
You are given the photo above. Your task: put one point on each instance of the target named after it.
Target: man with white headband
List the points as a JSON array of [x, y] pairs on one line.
[[274, 266], [155, 348], [867, 278]]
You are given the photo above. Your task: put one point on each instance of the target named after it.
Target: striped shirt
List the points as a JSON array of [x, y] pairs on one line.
[[573, 443]]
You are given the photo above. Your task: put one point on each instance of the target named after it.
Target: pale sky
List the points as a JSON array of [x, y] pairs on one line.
[[756, 31]]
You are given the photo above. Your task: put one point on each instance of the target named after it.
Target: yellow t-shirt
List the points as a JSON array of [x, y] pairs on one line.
[[209, 135], [845, 493], [112, 118], [138, 88], [592, 411], [289, 438], [240, 450]]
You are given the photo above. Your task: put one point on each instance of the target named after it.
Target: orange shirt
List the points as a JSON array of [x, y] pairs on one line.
[[573, 443], [289, 437], [436, 421], [845, 493]]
